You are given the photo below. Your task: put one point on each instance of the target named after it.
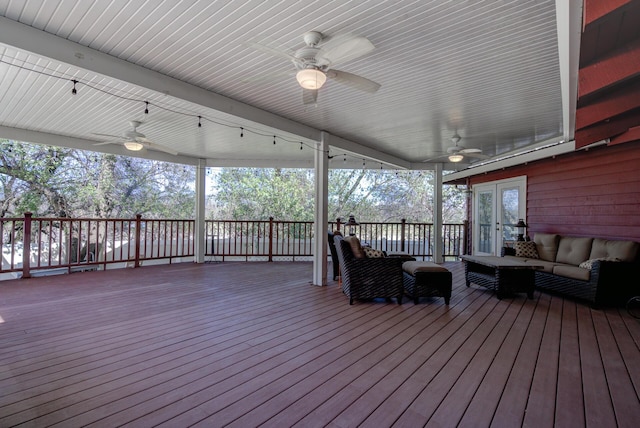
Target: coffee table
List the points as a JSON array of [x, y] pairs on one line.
[[504, 275]]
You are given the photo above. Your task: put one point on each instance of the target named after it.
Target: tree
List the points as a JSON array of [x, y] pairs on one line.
[[57, 182], [370, 195]]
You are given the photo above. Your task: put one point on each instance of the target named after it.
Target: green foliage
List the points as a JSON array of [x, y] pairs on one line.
[[73, 183], [370, 195], [61, 182]]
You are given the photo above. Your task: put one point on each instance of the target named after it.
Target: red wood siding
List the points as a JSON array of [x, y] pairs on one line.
[[586, 193], [609, 75]]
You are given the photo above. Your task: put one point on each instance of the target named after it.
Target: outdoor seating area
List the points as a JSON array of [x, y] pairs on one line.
[[217, 344]]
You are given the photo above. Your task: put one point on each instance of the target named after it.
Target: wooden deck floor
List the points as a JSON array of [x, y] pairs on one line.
[[255, 344]]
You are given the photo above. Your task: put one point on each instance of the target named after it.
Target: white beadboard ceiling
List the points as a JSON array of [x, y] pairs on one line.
[[490, 69]]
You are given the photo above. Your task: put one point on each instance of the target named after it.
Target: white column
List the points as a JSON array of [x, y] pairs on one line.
[[437, 214], [321, 215], [201, 170]]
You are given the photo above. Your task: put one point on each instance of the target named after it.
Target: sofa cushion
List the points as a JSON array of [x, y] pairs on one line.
[[546, 266], [413, 267], [589, 263], [547, 245], [526, 249], [573, 250], [356, 248], [626, 251], [372, 253], [573, 272]]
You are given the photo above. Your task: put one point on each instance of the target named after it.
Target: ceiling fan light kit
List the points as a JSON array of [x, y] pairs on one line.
[[315, 62], [311, 78], [456, 158], [133, 146]]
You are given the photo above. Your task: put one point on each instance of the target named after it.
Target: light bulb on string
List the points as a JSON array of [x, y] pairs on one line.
[[274, 140], [241, 132], [199, 121], [74, 91], [146, 107], [300, 145]]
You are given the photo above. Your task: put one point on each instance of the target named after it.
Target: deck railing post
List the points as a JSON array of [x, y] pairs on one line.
[[26, 246], [270, 239], [137, 253], [338, 224], [465, 238], [403, 224]]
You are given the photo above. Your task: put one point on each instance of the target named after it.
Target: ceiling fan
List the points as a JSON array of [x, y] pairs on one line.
[[135, 141], [457, 153], [315, 62]]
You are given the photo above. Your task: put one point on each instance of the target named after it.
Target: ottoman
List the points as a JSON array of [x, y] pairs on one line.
[[426, 279]]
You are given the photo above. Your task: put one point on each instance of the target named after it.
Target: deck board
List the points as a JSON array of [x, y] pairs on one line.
[[255, 344]]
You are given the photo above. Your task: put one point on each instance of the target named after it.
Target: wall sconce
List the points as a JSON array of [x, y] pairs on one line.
[[521, 225], [352, 223]]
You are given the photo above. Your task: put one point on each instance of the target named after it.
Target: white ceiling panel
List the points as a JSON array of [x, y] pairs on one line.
[[487, 69]]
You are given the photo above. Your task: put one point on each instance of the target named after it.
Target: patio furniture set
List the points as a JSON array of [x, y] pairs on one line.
[[596, 270]]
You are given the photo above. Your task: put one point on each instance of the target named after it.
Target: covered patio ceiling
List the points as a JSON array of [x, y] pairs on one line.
[[502, 74]]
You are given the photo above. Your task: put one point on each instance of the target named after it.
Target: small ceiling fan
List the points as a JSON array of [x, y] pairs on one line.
[[135, 141], [316, 60], [457, 153]]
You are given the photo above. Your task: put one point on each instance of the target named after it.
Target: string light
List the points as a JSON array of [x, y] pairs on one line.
[[74, 91]]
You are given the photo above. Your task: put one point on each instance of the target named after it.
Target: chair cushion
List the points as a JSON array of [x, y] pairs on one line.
[[372, 253], [573, 250], [526, 249], [547, 246], [356, 248]]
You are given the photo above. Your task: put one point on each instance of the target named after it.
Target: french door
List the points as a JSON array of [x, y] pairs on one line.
[[497, 206]]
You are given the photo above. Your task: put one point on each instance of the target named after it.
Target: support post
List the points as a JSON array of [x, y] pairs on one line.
[[200, 226], [321, 216], [403, 224], [437, 215]]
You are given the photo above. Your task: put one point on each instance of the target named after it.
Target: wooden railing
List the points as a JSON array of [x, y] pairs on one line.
[[57, 245]]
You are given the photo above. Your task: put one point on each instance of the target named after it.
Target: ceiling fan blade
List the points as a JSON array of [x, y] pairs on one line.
[[104, 143], [435, 158], [309, 96], [160, 148], [476, 155], [344, 48], [107, 135], [470, 150], [353, 80], [273, 51]]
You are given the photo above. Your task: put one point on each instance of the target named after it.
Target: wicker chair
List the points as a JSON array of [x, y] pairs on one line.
[[334, 255], [368, 278]]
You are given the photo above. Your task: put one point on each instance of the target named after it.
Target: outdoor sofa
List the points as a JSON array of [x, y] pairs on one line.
[[599, 271]]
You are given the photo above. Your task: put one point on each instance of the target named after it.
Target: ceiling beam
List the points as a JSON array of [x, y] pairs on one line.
[[36, 137], [569, 29]]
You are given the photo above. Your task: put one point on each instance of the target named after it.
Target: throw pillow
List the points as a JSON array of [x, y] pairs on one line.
[[588, 264], [356, 248], [372, 253], [526, 249]]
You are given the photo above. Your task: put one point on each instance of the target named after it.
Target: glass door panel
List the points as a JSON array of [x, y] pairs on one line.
[[485, 224], [497, 208], [510, 211]]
